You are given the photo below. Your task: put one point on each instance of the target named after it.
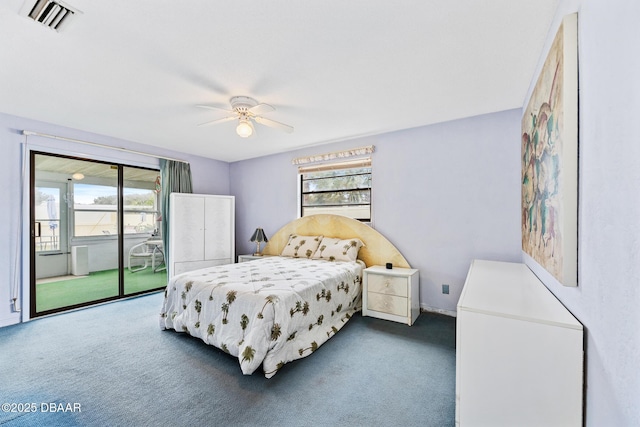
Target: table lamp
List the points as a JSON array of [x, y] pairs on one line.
[[258, 237]]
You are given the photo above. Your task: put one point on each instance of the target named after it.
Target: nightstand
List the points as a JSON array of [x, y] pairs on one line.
[[391, 294], [243, 258]]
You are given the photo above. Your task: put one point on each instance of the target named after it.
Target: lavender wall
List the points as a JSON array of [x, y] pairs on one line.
[[442, 194], [209, 176], [607, 298]]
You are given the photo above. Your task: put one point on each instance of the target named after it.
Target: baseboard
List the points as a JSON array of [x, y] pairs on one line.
[[438, 310], [10, 320]]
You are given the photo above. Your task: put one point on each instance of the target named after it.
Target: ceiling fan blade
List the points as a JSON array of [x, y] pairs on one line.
[[211, 107], [216, 121], [274, 124], [261, 109]]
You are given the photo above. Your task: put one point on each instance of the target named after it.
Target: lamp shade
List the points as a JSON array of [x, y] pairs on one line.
[[258, 236], [244, 128]]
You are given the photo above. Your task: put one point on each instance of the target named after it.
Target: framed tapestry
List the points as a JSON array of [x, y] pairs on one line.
[[550, 160]]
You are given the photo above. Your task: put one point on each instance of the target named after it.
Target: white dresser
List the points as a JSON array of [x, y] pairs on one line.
[[201, 231], [391, 294], [519, 351]]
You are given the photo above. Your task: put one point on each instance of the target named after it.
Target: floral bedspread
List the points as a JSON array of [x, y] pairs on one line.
[[267, 311]]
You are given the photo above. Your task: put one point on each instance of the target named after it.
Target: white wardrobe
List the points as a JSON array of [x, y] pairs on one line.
[[519, 351], [201, 231]]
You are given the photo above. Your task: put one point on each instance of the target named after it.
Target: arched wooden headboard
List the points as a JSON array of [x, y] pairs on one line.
[[377, 250]]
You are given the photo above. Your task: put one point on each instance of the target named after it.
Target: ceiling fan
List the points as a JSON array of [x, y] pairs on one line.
[[247, 110]]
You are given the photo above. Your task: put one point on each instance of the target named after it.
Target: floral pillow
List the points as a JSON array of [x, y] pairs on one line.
[[301, 246], [332, 249]]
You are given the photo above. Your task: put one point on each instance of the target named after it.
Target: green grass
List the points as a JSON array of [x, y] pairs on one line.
[[96, 286]]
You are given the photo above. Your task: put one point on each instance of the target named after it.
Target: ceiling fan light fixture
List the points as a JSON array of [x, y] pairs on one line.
[[246, 111], [244, 129]]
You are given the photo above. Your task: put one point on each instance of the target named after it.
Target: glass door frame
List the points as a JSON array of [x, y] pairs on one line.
[[30, 228]]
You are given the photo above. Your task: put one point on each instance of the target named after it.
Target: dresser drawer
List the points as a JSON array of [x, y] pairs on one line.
[[390, 304], [388, 285]]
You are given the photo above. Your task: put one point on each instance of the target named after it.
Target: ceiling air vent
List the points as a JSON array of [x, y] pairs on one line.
[[50, 13]]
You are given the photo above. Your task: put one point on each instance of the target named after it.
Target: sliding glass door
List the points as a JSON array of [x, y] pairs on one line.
[[143, 251], [89, 222]]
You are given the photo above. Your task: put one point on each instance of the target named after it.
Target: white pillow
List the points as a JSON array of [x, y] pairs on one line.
[[332, 249], [301, 246]]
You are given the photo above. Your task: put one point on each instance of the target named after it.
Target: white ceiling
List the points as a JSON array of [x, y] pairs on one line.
[[333, 69]]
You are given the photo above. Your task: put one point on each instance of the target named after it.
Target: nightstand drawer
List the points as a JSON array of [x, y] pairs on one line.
[[388, 285], [390, 304]]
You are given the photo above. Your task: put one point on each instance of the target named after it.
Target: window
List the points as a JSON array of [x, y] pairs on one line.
[[96, 213], [140, 210], [47, 217], [95, 210], [337, 188]]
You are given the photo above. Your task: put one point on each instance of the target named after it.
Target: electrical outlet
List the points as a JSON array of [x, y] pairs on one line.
[[445, 289]]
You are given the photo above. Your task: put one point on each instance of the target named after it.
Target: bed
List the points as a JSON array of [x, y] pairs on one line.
[[283, 306]]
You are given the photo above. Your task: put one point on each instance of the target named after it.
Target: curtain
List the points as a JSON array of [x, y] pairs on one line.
[[175, 177]]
